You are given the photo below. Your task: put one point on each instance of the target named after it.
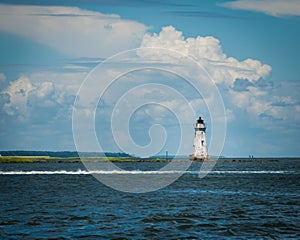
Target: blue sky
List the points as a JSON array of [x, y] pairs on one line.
[[250, 50]]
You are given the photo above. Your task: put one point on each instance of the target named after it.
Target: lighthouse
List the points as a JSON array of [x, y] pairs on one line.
[[200, 146]]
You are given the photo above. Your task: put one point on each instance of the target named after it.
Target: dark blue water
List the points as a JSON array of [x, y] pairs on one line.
[[235, 201]]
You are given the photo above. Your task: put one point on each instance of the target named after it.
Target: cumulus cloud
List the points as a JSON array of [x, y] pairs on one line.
[[18, 92], [200, 47], [206, 51], [48, 96], [42, 95], [266, 105], [243, 84], [25, 100], [71, 30], [275, 8]]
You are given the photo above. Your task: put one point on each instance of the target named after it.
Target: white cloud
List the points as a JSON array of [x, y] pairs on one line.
[[172, 39], [45, 89], [71, 30], [275, 8], [76, 67], [68, 81], [280, 103], [18, 92], [258, 101], [57, 89], [27, 99], [42, 95], [207, 51]]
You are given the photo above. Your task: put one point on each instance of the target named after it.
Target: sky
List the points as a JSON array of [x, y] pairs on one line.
[[133, 76]]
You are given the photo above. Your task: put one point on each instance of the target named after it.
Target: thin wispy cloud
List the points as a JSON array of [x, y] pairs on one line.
[[276, 8], [201, 14], [72, 31], [113, 3]]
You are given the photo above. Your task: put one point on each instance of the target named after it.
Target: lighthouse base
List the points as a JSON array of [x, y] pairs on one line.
[[199, 158]]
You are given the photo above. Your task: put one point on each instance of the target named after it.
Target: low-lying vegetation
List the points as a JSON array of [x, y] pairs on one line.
[[47, 159]]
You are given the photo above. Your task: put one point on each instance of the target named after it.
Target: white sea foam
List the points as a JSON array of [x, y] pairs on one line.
[[138, 172]]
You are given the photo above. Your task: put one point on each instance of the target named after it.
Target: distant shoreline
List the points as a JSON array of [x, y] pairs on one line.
[[47, 159]]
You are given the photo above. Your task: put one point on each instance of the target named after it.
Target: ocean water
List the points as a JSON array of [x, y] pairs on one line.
[[237, 200]]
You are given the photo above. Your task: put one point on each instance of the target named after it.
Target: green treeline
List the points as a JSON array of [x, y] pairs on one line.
[[62, 154]]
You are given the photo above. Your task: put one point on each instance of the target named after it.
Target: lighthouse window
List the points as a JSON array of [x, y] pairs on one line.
[[202, 143]]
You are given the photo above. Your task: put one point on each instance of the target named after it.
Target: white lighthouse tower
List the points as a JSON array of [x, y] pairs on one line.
[[200, 146]]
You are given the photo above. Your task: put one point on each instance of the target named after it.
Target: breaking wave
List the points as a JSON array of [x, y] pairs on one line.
[[85, 172]]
